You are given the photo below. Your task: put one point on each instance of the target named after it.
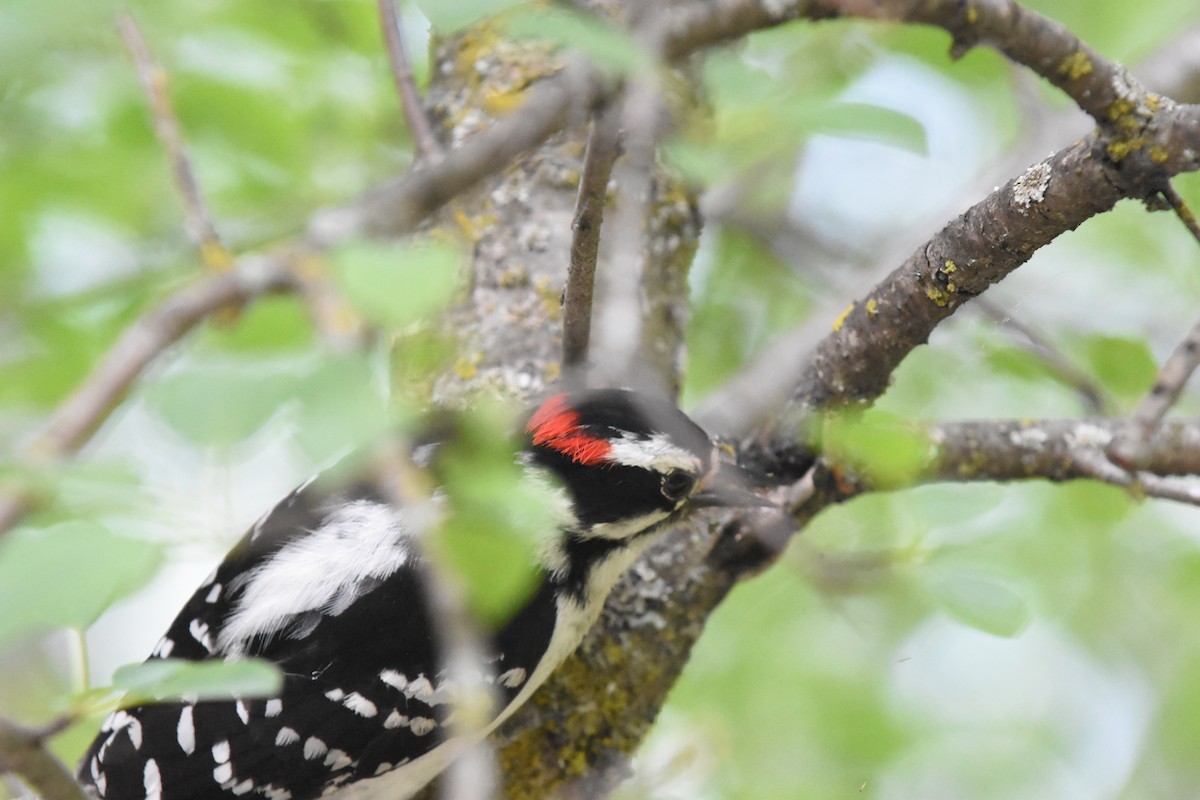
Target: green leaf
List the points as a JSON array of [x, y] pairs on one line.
[[447, 16], [341, 406], [980, 600], [221, 405], [395, 285], [605, 44], [1125, 366], [172, 678], [888, 452], [65, 576], [498, 518]]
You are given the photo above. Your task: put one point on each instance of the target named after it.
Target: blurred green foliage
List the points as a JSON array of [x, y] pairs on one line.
[[948, 641]]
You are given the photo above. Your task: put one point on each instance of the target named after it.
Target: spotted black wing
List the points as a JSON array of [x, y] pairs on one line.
[[360, 692], [328, 587]]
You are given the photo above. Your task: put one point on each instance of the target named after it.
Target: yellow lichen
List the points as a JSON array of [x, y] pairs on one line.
[[1158, 154], [949, 267], [467, 365], [972, 14], [872, 306], [939, 298], [1119, 108], [1075, 66], [837, 323], [1120, 149], [504, 101]]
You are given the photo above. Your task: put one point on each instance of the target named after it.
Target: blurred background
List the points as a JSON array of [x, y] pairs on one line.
[[1022, 641]]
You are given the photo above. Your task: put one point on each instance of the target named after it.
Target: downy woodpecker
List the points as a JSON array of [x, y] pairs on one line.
[[327, 585]]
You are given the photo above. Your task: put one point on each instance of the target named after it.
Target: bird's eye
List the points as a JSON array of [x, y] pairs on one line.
[[676, 484]]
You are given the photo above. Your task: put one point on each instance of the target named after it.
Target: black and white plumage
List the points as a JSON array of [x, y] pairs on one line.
[[327, 586]]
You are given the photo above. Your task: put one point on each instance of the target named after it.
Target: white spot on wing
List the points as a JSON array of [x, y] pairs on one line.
[[223, 773], [420, 689], [335, 694], [214, 594], [185, 731], [243, 787], [286, 736], [242, 712], [357, 545], [511, 679], [199, 632], [421, 725], [360, 705], [163, 648], [122, 721], [314, 748], [394, 679], [386, 766], [152, 780], [337, 759], [273, 792], [395, 720], [220, 752], [274, 707]]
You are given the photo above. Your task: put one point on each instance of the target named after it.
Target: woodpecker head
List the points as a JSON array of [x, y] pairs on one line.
[[627, 461]]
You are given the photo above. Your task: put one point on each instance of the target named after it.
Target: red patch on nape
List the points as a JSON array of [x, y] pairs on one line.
[[556, 425]]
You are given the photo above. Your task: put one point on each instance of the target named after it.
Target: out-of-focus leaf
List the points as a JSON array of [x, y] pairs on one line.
[[447, 16], [605, 44], [888, 452], [1124, 366], [221, 405], [498, 518], [980, 600], [172, 678], [395, 285], [341, 406], [269, 323], [66, 575]]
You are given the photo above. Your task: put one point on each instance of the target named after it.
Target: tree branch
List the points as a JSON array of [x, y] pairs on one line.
[[154, 80], [406, 87], [603, 145], [74, 421], [23, 752]]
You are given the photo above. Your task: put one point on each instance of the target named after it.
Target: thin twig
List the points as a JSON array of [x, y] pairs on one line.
[[1182, 211], [616, 350], [463, 660], [1129, 448], [406, 86], [77, 417], [603, 144], [24, 753], [1093, 395], [154, 80], [1145, 484]]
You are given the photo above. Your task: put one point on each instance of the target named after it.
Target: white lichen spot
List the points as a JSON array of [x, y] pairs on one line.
[[1031, 187], [1028, 438], [1087, 435], [779, 8]]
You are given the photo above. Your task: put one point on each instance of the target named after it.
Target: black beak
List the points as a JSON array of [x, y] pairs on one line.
[[726, 487]]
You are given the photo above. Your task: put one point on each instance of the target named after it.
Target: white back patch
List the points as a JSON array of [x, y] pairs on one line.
[[357, 545]]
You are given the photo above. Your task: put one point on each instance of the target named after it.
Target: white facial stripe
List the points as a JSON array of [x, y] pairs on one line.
[[656, 453]]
